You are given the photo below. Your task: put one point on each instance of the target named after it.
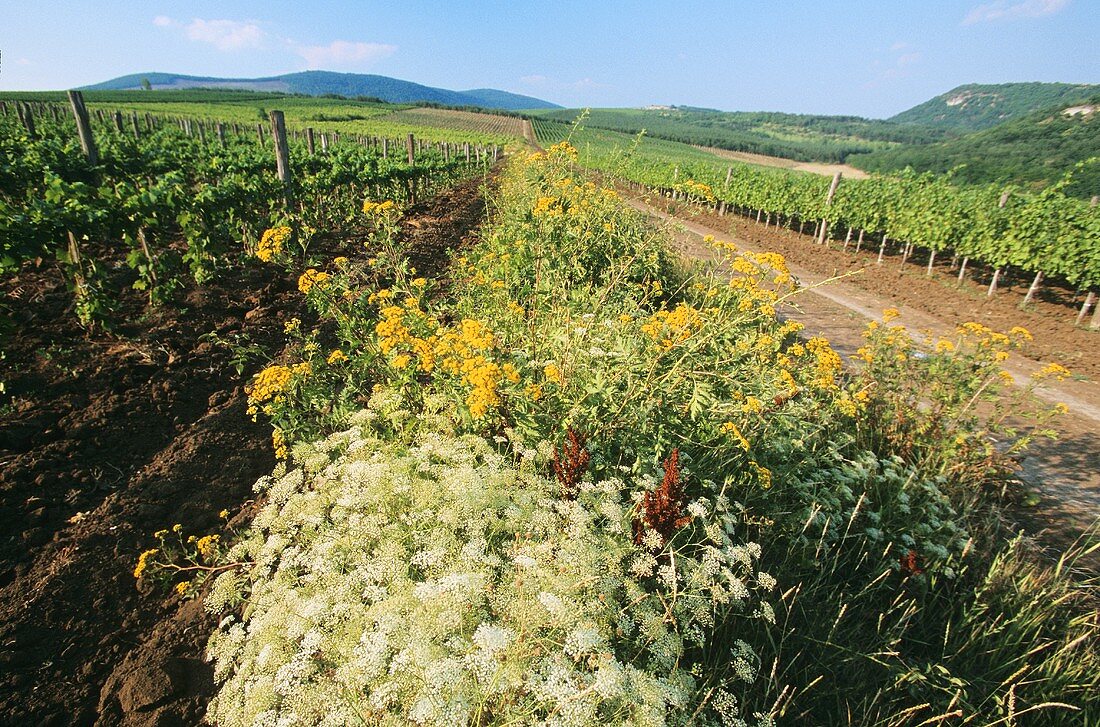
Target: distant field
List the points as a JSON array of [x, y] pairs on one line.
[[322, 114], [488, 124], [770, 161], [791, 136]]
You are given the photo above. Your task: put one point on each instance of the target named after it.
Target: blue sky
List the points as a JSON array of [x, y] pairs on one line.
[[871, 57]]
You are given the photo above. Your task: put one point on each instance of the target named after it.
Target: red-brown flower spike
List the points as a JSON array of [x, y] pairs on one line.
[[661, 509], [569, 463]]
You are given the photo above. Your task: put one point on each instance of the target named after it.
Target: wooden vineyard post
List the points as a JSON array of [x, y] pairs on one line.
[[411, 157], [962, 268], [859, 242], [848, 239], [993, 283], [118, 122], [27, 117], [260, 133], [881, 250], [134, 125], [1089, 300], [220, 131], [999, 271], [282, 150], [83, 127], [828, 202], [385, 148], [324, 142], [466, 146], [309, 140], [1034, 287]]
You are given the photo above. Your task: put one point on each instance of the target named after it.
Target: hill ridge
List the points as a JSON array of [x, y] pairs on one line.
[[319, 83]]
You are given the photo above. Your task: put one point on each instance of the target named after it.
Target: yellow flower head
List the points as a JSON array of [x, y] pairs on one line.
[[143, 561], [311, 279], [272, 243], [337, 356]]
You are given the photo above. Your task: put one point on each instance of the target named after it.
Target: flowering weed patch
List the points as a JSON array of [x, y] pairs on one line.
[[584, 484]]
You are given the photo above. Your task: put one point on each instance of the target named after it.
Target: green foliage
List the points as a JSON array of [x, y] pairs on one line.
[[980, 106], [792, 136], [1036, 150], [146, 194]]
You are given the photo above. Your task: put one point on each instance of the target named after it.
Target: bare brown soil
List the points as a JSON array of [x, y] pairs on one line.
[[105, 439]]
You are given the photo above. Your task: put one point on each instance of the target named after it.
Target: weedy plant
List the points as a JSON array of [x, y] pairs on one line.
[[582, 483]]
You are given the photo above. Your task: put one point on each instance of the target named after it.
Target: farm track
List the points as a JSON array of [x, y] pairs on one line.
[[1065, 473], [112, 438]]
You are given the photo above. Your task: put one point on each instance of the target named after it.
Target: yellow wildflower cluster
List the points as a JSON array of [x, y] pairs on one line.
[[763, 474], [752, 405], [547, 207], [698, 189], [278, 443], [464, 352], [670, 328], [272, 243], [552, 373], [311, 279], [986, 336], [1052, 370], [269, 383], [1021, 333], [207, 545], [732, 429], [337, 356], [143, 561], [562, 150], [379, 209], [827, 362]]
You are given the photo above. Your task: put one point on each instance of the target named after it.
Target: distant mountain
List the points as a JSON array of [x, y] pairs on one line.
[[1035, 149], [981, 106], [319, 83]]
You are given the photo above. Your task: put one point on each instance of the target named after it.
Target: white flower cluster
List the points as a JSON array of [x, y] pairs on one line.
[[440, 584]]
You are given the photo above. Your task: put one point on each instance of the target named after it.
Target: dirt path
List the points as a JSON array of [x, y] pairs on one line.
[[108, 439], [1065, 473]]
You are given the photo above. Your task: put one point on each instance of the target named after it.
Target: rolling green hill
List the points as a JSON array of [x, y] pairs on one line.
[[320, 83], [1035, 150], [793, 136], [981, 106]]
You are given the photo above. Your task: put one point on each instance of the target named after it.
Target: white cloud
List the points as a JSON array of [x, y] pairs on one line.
[[900, 45], [23, 61], [343, 54], [1004, 10], [233, 35], [226, 34]]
